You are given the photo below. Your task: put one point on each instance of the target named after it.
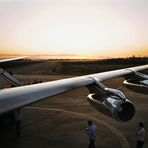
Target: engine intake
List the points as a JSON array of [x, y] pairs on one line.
[[111, 102], [121, 110]]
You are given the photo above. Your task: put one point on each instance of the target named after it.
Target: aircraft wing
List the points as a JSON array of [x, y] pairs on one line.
[[11, 59], [13, 98]]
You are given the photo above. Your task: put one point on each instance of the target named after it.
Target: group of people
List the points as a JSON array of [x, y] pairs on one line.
[[91, 131]]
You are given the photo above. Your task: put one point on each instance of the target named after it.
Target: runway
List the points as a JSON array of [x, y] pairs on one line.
[[60, 121], [123, 142]]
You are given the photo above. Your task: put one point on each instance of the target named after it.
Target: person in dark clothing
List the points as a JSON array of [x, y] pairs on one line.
[[140, 135], [91, 131], [18, 119]]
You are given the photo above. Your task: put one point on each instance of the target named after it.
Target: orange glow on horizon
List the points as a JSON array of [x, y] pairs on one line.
[[122, 54], [74, 29]]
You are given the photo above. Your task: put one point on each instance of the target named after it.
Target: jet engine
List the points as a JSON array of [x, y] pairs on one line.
[[137, 82], [110, 102]]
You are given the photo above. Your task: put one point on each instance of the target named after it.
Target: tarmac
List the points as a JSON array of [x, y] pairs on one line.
[[60, 121]]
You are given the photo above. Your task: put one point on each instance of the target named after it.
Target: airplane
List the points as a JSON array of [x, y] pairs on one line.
[[109, 101]]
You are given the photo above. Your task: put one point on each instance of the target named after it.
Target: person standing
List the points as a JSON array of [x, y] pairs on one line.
[[91, 131], [18, 119], [140, 135]]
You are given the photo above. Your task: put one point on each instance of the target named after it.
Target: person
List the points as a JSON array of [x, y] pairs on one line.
[[91, 131], [140, 135], [18, 118], [10, 72]]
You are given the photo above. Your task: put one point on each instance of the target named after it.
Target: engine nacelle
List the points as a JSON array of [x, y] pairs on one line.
[[136, 86], [113, 106], [137, 82]]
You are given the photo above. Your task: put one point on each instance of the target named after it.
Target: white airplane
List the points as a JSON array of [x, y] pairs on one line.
[[111, 102]]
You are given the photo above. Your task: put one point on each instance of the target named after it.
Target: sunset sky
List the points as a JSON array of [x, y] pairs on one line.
[[74, 28]]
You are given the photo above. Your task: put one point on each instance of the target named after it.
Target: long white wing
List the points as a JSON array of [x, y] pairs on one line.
[[11, 59], [14, 98]]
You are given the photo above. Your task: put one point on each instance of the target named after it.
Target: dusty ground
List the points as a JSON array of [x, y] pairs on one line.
[[60, 121]]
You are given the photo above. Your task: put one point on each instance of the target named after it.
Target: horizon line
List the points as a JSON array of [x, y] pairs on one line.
[[67, 57]]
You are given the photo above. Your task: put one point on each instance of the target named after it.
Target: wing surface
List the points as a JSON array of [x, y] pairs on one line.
[[13, 98], [11, 59]]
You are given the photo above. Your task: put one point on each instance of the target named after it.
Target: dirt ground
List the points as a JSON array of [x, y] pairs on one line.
[[60, 121]]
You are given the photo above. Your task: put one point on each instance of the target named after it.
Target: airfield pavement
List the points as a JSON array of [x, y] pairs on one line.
[[60, 121]]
